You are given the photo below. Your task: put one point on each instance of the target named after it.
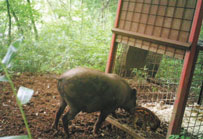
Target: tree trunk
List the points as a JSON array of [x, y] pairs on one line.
[[50, 5], [9, 24], [32, 20], [81, 25], [17, 21], [105, 5]]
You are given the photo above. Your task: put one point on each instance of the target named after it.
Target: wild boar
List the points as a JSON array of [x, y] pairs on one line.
[[144, 118], [89, 90]]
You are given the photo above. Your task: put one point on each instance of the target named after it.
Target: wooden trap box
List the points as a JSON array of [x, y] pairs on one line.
[[164, 27], [161, 26]]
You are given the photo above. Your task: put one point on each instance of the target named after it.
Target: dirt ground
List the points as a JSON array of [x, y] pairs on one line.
[[41, 110]]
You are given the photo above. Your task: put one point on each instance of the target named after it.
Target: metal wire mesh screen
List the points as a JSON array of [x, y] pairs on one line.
[[155, 76], [193, 116]]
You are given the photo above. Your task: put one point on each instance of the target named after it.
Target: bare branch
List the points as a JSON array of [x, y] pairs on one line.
[[9, 18], [16, 19], [32, 20]]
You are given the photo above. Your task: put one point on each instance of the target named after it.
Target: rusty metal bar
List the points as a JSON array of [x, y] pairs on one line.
[[112, 53], [153, 39], [187, 73]]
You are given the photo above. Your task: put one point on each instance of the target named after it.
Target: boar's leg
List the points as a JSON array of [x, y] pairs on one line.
[[101, 118], [63, 105], [72, 112], [114, 114]]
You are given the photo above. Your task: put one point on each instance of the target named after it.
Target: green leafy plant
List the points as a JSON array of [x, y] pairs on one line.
[[17, 100], [4, 65], [178, 137]]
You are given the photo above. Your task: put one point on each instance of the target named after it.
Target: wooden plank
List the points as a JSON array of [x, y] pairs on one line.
[[153, 47], [123, 127], [158, 40]]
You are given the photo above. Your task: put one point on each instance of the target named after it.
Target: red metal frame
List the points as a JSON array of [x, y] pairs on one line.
[[112, 52], [187, 73]]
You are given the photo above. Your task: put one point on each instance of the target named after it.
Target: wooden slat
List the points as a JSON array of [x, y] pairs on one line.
[[153, 39], [153, 47], [123, 127]]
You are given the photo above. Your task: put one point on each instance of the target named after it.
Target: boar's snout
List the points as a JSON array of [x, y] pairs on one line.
[[133, 97], [131, 104]]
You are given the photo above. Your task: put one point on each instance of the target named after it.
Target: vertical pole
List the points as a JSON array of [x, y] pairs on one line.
[[112, 53], [187, 73]]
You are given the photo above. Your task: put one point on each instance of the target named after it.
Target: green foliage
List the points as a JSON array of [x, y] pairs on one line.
[[141, 75], [76, 36], [171, 69], [178, 137], [20, 18], [17, 100], [201, 34], [198, 74]]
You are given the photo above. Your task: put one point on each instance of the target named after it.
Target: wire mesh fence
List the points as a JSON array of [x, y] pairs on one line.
[[192, 125], [148, 55], [155, 76]]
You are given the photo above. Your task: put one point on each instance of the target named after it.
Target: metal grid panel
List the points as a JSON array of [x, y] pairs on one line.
[[193, 117], [169, 19], [156, 77]]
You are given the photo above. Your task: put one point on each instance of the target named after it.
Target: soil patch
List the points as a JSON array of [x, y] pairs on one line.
[[41, 110]]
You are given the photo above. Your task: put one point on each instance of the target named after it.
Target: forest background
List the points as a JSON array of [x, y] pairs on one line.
[[56, 35], [53, 36]]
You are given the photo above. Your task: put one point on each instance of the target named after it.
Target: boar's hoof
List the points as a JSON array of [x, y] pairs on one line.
[[55, 133], [95, 131]]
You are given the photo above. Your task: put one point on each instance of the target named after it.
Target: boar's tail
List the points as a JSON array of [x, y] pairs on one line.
[[59, 85]]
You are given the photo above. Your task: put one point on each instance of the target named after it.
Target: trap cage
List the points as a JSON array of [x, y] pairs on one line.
[[154, 46]]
